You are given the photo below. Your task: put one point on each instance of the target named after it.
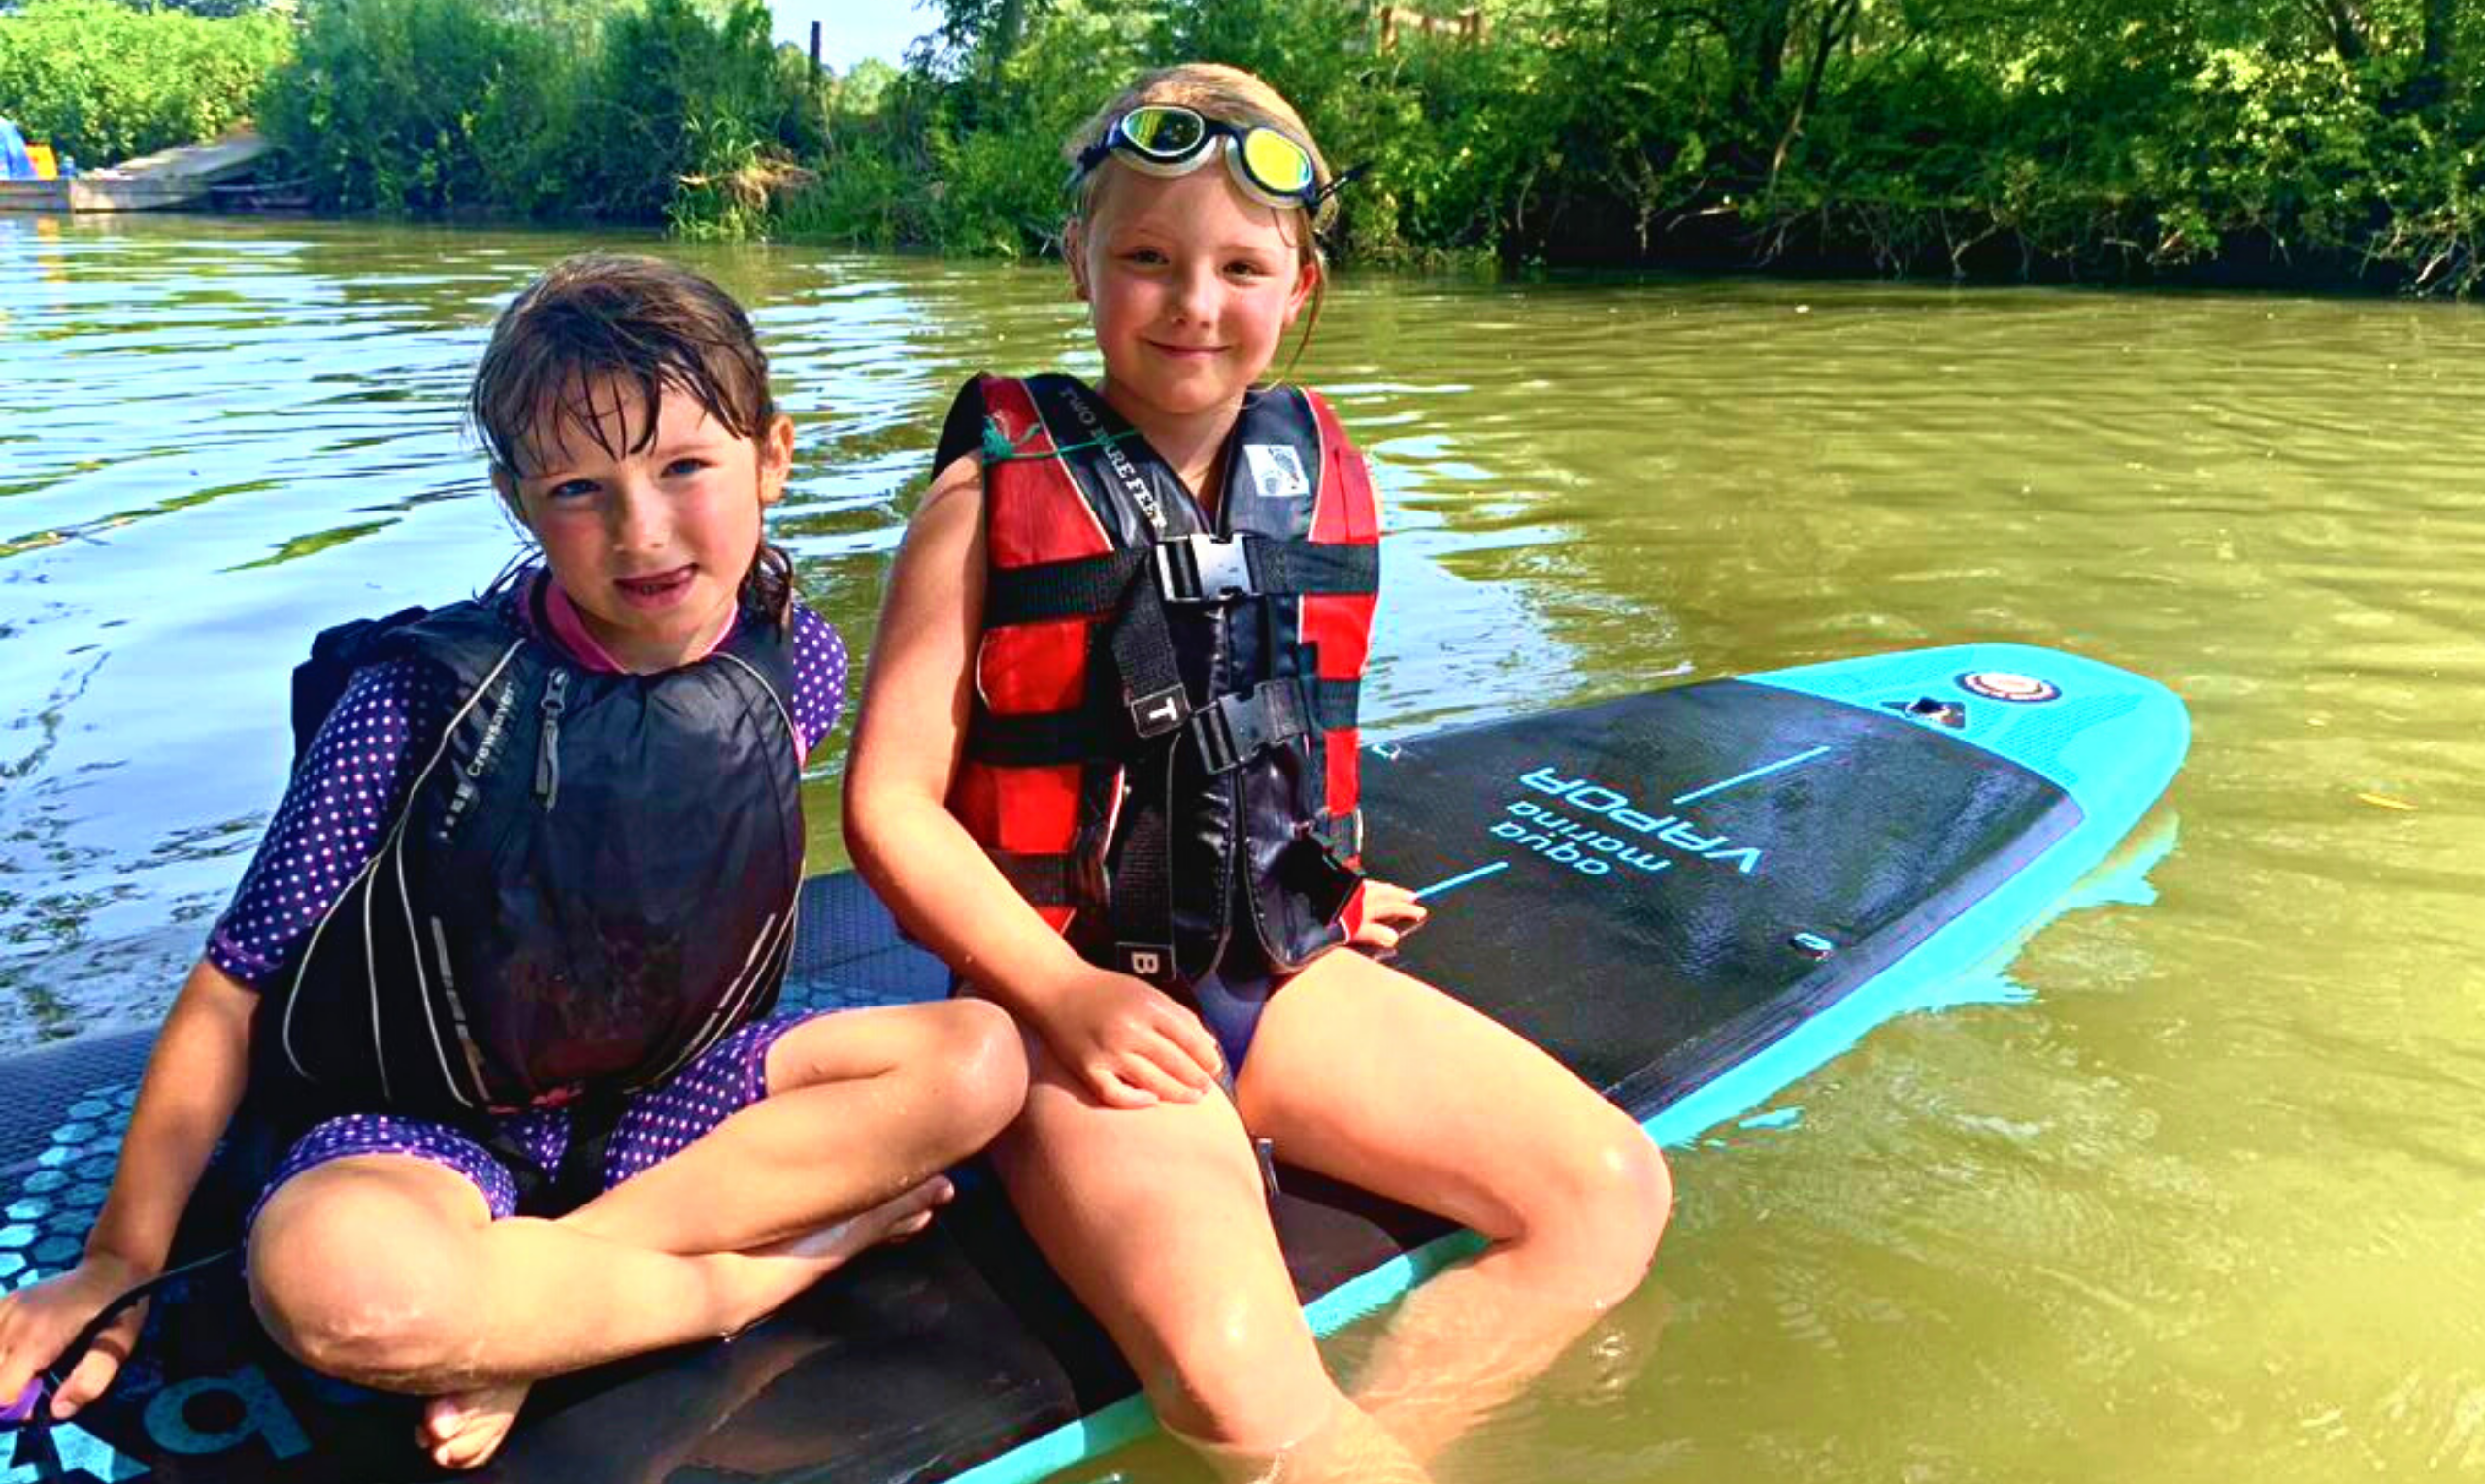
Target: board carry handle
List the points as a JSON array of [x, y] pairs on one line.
[[27, 1410]]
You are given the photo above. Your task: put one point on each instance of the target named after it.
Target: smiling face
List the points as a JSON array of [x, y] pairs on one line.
[[1193, 286], [649, 536]]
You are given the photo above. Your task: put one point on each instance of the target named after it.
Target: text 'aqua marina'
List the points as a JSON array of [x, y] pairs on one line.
[[1610, 833]]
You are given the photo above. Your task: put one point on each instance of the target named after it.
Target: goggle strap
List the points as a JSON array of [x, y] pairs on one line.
[[1341, 180]]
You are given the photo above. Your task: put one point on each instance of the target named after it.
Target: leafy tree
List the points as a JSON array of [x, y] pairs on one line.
[[418, 105], [103, 81]]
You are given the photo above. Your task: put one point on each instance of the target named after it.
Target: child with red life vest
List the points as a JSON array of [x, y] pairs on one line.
[[551, 1125], [1105, 767]]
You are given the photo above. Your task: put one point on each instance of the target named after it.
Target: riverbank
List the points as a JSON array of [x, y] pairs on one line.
[[2227, 143]]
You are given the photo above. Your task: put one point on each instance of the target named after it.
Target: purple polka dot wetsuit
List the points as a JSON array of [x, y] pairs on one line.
[[342, 800]]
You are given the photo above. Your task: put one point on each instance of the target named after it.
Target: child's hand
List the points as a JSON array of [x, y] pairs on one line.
[[1132, 1045], [37, 1323], [1389, 913]]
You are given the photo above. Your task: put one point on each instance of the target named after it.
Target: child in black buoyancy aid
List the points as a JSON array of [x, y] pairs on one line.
[[505, 951]]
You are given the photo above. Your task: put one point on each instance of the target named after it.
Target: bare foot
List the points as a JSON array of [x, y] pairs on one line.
[[764, 1279], [464, 1428]]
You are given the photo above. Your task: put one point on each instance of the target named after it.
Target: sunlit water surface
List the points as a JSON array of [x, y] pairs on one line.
[[2194, 1190]]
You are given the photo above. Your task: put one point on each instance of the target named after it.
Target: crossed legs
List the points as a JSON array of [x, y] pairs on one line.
[[387, 1269]]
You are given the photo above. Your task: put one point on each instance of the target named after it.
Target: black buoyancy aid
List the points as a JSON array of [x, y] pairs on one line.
[[592, 877], [1163, 728]]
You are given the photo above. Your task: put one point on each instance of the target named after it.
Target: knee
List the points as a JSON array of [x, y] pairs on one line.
[[1643, 1190], [358, 1284], [1609, 1195], [1240, 1381], [988, 1059]]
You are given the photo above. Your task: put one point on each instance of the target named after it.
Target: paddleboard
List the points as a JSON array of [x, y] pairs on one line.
[[1693, 897]]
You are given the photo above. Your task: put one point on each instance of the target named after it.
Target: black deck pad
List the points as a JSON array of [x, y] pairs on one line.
[[1652, 888]]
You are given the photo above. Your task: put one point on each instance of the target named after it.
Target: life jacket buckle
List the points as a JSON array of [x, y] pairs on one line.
[[1202, 568], [1238, 728], [1225, 734], [1341, 834]]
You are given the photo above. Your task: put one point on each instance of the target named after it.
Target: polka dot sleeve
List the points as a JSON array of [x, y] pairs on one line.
[[819, 677], [341, 799]]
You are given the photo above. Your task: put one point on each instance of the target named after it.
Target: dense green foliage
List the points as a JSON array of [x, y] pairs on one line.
[[2253, 138], [103, 81], [657, 111], [2242, 140]]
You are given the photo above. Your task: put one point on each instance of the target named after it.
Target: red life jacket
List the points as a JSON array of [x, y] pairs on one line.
[[1164, 718]]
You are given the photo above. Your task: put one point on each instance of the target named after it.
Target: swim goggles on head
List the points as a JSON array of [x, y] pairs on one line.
[[1170, 139]]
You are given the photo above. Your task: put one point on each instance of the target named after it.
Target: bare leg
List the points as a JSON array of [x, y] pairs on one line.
[[862, 1105], [1156, 1220], [1368, 1076], [387, 1271], [463, 1429], [870, 1105]]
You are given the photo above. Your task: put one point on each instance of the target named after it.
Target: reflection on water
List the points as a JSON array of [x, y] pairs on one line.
[[2196, 1195]]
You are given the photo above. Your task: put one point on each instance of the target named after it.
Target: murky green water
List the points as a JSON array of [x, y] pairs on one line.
[[2197, 1193]]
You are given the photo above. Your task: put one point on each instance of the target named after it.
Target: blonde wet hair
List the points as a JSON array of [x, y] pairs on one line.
[[1231, 96]]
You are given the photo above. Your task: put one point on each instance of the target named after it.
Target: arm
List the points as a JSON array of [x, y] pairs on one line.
[[194, 1081], [1130, 1043]]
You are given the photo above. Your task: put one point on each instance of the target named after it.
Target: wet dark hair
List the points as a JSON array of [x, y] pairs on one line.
[[642, 321]]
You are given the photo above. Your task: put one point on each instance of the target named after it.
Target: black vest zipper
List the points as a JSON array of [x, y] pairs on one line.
[[547, 756]]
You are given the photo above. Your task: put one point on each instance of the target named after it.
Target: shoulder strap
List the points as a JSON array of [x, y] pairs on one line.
[[319, 681], [1128, 482], [767, 646]]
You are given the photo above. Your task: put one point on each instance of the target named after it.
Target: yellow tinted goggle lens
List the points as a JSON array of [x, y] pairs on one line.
[[1276, 162]]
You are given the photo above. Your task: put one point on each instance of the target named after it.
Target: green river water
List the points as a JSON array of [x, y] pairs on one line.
[[2194, 1188]]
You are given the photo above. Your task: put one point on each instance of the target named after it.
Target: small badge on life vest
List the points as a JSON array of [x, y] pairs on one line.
[[2003, 686], [1276, 471]]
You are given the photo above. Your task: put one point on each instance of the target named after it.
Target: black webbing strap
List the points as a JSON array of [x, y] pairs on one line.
[[1334, 703], [1054, 881], [1043, 740], [1188, 569], [1142, 638], [1074, 589], [49, 1381], [1310, 567], [1047, 880], [1139, 910], [1091, 734]]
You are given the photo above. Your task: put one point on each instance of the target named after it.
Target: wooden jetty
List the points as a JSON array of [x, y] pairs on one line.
[[165, 181]]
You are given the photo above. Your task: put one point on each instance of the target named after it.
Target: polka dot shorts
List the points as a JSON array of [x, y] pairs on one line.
[[660, 1123]]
